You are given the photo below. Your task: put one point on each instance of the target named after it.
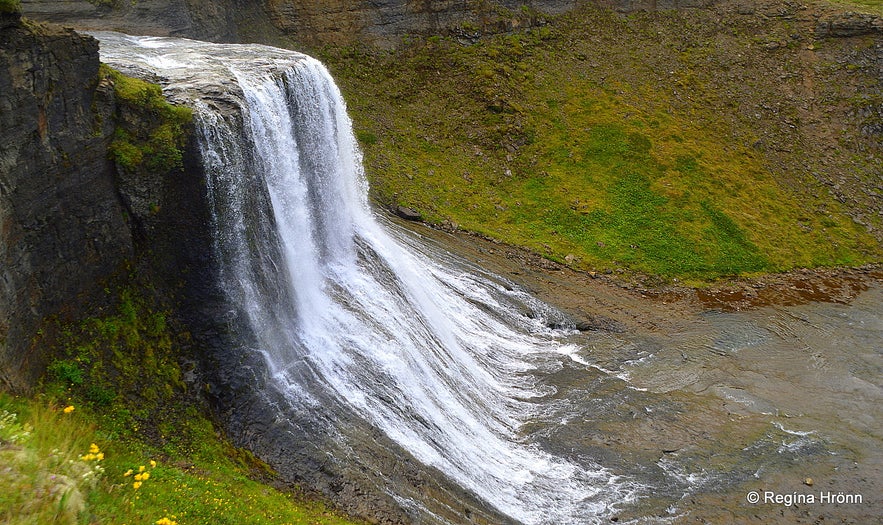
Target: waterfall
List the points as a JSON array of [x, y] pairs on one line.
[[348, 310]]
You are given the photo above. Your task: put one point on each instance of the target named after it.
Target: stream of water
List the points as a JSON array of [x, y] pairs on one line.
[[459, 368]]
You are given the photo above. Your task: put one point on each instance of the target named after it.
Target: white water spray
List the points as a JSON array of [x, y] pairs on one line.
[[438, 359]]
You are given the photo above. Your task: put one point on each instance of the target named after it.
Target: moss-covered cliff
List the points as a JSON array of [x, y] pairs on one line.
[[93, 188]]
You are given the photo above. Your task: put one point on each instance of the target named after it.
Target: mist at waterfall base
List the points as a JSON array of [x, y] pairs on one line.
[[384, 358]]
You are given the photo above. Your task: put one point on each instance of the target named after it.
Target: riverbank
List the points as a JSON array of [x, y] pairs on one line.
[[579, 291]]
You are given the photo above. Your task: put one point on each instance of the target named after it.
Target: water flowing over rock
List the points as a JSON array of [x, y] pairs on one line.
[[395, 382]]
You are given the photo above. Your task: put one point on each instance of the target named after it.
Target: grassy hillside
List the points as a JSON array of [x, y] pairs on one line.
[[673, 144], [63, 468], [118, 436], [60, 467]]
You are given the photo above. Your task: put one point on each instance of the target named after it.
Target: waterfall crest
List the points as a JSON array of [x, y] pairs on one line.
[[347, 310]]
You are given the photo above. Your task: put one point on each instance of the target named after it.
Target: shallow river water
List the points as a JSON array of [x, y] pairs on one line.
[[712, 406]]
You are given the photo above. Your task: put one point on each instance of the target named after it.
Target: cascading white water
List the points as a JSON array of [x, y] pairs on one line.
[[344, 307]]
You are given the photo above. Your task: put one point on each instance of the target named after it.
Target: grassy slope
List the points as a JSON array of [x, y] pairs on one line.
[[122, 371], [608, 141], [49, 476]]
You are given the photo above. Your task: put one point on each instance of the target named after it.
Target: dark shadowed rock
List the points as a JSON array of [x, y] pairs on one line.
[[409, 214], [62, 225], [849, 24], [69, 221]]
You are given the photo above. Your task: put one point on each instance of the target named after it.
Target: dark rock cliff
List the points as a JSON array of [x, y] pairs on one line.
[[313, 23], [71, 220], [62, 225], [191, 18]]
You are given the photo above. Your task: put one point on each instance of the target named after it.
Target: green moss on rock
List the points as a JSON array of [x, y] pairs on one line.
[[10, 6], [151, 133]]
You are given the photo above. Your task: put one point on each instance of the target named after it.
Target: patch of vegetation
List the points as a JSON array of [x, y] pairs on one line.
[[867, 6], [604, 147], [61, 465], [116, 436], [150, 133], [10, 6], [107, 3], [128, 357]]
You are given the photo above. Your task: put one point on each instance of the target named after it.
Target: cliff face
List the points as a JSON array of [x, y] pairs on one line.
[[383, 23], [309, 22], [191, 18], [387, 22], [70, 218], [62, 225]]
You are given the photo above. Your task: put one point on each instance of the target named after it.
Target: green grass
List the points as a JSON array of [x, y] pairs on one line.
[[554, 140], [122, 371], [867, 6], [10, 6], [50, 476]]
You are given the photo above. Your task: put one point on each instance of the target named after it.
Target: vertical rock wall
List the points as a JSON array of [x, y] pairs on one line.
[[62, 224], [302, 22], [192, 18]]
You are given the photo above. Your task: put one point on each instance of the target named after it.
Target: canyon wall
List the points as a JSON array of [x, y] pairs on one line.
[[62, 224], [73, 222], [383, 23]]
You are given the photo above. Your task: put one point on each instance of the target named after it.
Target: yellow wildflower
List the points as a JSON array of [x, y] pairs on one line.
[[152, 464], [139, 477], [68, 409], [141, 468], [99, 456], [145, 476], [166, 521], [136, 485], [93, 449], [128, 473]]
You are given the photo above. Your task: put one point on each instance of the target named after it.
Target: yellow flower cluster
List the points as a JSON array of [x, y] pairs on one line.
[[68, 409], [166, 521], [95, 454], [141, 476]]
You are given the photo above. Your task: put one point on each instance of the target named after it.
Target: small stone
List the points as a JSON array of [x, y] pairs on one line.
[[409, 214], [808, 482]]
